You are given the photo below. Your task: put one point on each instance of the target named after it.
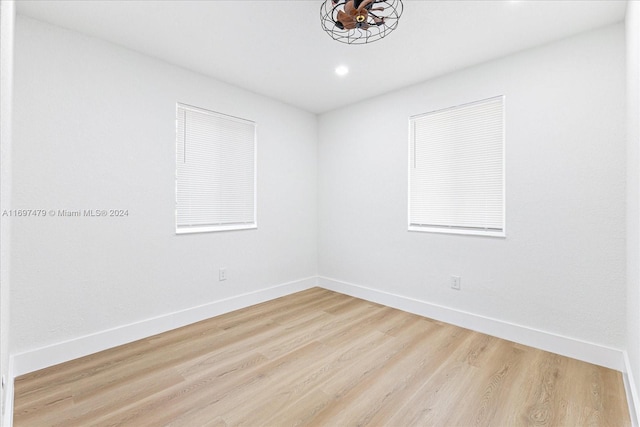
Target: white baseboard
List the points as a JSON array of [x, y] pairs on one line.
[[44, 357], [630, 386], [565, 346]]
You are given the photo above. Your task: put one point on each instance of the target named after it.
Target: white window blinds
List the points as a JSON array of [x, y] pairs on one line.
[[215, 171], [456, 178]]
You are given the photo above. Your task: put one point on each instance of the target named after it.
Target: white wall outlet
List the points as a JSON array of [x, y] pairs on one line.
[[222, 274], [455, 282]]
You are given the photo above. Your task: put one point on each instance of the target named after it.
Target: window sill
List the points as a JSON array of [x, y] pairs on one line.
[[459, 231], [215, 228]]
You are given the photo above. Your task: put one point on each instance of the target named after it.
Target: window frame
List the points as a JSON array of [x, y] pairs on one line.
[[190, 229], [452, 229]]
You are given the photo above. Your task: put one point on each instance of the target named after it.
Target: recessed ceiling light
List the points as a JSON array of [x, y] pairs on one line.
[[342, 70]]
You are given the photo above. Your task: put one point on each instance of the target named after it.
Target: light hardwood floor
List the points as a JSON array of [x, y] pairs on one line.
[[321, 358]]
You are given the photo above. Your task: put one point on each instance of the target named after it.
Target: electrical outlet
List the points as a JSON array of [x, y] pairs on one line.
[[222, 274], [455, 282]]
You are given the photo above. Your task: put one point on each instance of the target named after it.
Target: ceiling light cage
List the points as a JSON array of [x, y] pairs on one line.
[[359, 21]]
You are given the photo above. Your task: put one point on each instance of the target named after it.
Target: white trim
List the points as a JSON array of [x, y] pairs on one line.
[[7, 416], [210, 228], [54, 354], [7, 71], [565, 346], [631, 390], [452, 230]]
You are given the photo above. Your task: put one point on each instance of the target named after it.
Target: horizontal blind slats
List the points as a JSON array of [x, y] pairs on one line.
[[456, 174], [215, 169]]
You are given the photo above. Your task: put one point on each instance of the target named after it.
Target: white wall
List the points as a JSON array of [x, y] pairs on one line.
[[7, 17], [633, 195], [95, 129], [561, 268]]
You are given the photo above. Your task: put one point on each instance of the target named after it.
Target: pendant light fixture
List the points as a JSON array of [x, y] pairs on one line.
[[359, 21]]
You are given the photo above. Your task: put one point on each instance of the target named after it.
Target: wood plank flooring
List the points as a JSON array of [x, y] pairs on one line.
[[321, 358]]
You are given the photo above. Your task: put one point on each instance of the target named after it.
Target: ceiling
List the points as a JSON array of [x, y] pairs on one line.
[[277, 48]]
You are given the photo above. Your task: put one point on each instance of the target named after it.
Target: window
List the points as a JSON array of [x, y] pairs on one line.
[[456, 170], [215, 171]]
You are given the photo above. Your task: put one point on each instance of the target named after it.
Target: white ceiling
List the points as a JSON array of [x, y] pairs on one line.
[[277, 48]]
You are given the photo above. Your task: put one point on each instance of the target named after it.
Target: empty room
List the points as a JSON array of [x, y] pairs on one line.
[[323, 212]]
